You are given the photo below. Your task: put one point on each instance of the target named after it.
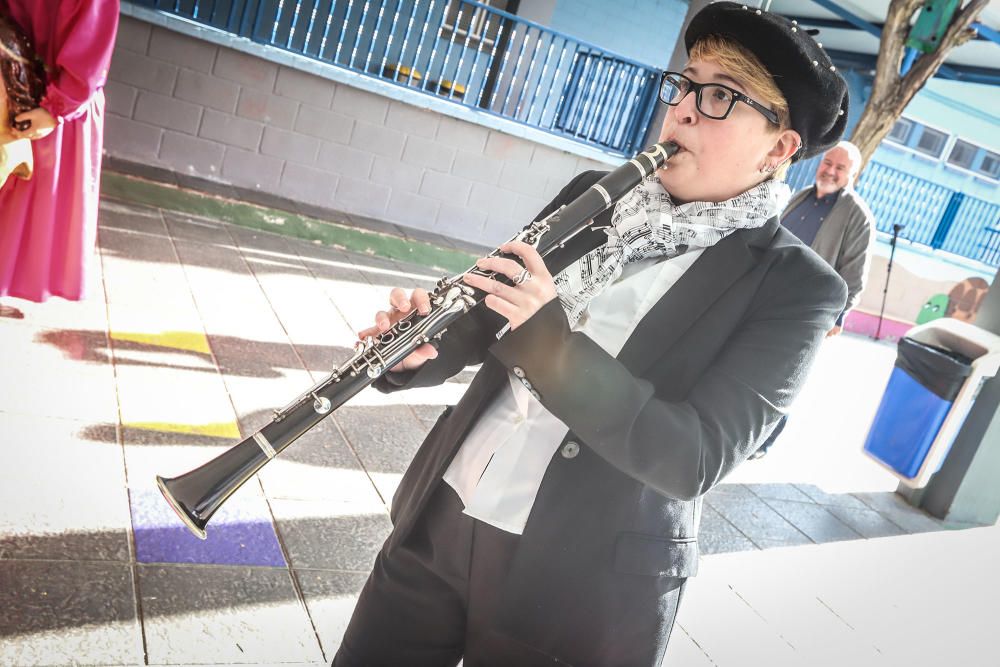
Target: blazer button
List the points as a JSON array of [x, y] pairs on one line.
[[527, 384], [570, 450], [518, 371]]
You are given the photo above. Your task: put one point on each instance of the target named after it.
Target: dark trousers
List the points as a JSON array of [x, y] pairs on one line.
[[432, 599]]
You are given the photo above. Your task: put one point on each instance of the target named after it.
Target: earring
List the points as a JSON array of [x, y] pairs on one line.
[[768, 168]]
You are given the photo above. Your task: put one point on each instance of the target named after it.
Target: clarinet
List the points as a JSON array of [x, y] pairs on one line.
[[196, 495]]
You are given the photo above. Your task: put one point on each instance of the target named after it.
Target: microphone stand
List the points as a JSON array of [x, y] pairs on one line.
[[896, 228]]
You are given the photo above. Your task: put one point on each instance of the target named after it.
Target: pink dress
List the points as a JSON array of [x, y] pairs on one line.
[[48, 225]]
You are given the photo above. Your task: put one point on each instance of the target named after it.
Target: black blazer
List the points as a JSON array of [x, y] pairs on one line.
[[698, 385]]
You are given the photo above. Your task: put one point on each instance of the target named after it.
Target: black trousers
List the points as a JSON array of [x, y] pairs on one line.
[[432, 601]]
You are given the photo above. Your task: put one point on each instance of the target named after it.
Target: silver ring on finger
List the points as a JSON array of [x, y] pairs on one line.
[[522, 277]]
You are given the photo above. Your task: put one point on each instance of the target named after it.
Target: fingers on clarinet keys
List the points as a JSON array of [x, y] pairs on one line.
[[400, 305], [523, 277]]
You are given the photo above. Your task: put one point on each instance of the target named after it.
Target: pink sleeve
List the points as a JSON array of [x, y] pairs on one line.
[[84, 38]]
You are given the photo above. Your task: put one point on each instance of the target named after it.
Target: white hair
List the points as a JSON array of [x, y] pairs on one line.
[[854, 153]]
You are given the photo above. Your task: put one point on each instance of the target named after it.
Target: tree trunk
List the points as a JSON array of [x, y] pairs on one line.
[[892, 92]]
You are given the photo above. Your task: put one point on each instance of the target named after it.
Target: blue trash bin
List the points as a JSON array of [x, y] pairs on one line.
[[920, 393]]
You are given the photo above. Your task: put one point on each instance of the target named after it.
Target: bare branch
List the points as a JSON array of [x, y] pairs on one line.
[[958, 33], [891, 92], [890, 51]]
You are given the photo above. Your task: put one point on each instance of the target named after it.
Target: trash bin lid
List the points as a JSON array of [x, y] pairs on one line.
[[940, 370]]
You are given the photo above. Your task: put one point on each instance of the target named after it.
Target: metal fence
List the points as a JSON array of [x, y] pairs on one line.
[[930, 214], [464, 51]]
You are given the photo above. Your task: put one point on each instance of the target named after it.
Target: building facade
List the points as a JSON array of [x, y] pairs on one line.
[[288, 110], [463, 118]]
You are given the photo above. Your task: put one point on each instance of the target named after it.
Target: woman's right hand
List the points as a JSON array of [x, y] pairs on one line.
[[401, 304], [40, 124]]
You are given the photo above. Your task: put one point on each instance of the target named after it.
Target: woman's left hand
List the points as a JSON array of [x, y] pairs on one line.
[[42, 124], [515, 302]]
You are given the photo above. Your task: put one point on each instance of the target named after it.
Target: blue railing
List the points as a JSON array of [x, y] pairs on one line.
[[802, 173], [464, 51], [991, 248], [931, 214]]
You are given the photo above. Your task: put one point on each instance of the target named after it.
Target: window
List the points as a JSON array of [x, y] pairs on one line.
[[990, 165], [901, 131], [962, 154], [479, 25], [931, 142]]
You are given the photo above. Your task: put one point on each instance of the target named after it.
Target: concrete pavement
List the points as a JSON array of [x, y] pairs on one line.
[[196, 328]]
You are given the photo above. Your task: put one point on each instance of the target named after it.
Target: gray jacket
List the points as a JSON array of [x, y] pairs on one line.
[[845, 240]]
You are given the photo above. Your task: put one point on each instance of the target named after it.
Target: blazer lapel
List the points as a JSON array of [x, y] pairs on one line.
[[697, 289], [700, 286], [589, 239]]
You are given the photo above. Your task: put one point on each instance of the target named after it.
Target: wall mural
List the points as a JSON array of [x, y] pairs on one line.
[[935, 308], [961, 303]]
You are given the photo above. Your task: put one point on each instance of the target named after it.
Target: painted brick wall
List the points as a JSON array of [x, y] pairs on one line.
[[190, 106]]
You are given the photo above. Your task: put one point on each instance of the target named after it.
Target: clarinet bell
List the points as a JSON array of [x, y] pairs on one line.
[[173, 490]]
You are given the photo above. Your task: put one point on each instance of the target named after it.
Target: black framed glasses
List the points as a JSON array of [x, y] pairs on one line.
[[713, 100]]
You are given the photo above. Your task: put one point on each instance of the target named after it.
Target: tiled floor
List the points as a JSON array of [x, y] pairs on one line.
[[194, 330]]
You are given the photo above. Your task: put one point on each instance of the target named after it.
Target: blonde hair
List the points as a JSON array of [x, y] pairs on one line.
[[745, 67]]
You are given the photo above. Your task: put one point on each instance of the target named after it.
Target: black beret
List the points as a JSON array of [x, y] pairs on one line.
[[816, 95]]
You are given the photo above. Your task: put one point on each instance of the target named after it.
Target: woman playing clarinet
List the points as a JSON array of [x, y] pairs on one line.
[[551, 516]]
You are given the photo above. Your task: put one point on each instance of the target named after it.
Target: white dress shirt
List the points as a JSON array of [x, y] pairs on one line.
[[499, 467]]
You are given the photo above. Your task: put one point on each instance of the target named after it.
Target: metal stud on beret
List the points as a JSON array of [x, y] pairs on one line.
[[817, 96]]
